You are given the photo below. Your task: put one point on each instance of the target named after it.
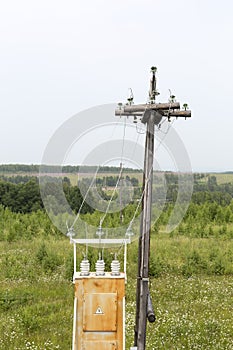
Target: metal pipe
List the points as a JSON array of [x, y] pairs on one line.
[[150, 310]]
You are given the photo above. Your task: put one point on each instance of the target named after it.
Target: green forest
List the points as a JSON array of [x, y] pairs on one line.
[[191, 268]]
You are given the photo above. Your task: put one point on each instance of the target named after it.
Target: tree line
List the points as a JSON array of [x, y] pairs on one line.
[[25, 197], [22, 193], [35, 168]]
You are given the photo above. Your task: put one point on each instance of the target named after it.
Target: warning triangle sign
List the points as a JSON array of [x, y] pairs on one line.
[[99, 311]]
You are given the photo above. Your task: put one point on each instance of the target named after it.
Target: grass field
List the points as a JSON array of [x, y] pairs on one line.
[[223, 178], [193, 301]]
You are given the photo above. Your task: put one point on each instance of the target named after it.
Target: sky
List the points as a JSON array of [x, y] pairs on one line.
[[58, 58]]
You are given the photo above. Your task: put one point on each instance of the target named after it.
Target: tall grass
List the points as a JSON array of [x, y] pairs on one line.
[[191, 287]]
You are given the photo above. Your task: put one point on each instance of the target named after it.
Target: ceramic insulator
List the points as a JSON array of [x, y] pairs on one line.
[[115, 268], [84, 267], [99, 267]]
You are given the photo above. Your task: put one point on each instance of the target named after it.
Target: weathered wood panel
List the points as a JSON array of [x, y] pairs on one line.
[[100, 312], [99, 345]]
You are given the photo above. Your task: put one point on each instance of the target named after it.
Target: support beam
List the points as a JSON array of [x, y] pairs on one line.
[[156, 106], [176, 113]]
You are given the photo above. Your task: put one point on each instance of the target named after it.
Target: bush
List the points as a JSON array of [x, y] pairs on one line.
[[69, 267], [29, 321], [42, 253], [12, 300], [194, 264], [48, 260], [156, 266], [51, 262], [218, 267]]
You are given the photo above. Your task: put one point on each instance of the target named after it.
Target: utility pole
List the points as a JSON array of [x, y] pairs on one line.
[[121, 180], [150, 114]]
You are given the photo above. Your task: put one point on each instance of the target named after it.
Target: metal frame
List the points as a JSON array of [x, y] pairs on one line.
[[95, 241]]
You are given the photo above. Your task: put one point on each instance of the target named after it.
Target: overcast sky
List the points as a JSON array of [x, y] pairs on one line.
[[61, 57]]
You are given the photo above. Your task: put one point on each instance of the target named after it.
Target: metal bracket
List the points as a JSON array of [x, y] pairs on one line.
[[145, 279]]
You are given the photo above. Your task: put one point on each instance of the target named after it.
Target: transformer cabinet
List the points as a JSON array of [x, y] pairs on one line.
[[99, 307]]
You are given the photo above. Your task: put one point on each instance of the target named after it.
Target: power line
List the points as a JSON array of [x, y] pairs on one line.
[[118, 180], [84, 199]]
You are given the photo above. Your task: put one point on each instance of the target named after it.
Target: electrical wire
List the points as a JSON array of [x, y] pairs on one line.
[[118, 180], [120, 174], [84, 199], [114, 128], [141, 133], [110, 200], [123, 142], [135, 145], [114, 191], [165, 134], [139, 202], [147, 180], [88, 190]]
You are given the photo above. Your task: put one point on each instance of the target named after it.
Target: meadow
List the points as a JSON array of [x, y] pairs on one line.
[[191, 271], [191, 286]]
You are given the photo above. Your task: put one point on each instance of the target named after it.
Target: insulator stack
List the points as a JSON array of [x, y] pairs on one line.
[[115, 268], [99, 267], [85, 267]]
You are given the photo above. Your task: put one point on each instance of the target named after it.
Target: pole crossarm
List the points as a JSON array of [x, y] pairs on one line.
[[155, 106], [166, 110], [164, 113]]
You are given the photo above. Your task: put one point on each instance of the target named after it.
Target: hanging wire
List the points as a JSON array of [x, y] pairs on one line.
[[123, 142], [114, 128], [165, 134], [160, 124], [84, 199], [135, 145], [86, 238], [113, 193], [147, 180], [118, 180], [168, 127], [139, 132], [110, 200], [139, 202], [88, 190], [120, 248], [168, 114]]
